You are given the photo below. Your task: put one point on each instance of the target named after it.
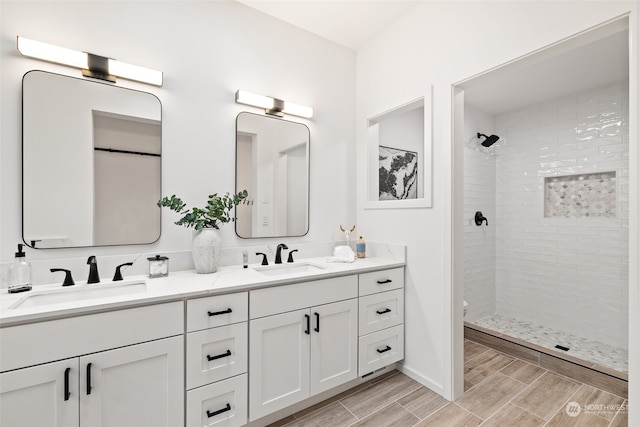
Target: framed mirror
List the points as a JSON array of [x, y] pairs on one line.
[[272, 164], [91, 163]]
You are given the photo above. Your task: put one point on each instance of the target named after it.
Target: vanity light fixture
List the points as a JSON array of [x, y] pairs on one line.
[[94, 66], [273, 106]]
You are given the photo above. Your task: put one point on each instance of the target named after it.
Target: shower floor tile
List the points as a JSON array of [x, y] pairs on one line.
[[591, 351]]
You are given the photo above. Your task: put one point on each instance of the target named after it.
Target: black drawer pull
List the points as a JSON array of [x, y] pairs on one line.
[[218, 313], [308, 323], [88, 378], [387, 348], [386, 310], [317, 328], [219, 411], [219, 356], [382, 282], [67, 393]]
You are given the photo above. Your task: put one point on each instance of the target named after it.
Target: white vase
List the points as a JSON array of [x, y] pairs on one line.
[[205, 249]]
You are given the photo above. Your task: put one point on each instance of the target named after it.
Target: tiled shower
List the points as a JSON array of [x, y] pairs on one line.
[[554, 256]]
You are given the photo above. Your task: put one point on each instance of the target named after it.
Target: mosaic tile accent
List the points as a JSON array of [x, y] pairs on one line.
[[591, 195], [582, 348]]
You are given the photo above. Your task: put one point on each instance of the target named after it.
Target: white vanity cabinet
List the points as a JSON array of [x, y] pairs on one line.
[[303, 340], [216, 363], [136, 383], [205, 359], [44, 395], [381, 319]]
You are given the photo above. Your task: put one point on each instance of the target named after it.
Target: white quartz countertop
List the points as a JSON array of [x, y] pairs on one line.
[[177, 286]]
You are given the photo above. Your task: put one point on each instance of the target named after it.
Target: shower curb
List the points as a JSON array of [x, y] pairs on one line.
[[589, 373]]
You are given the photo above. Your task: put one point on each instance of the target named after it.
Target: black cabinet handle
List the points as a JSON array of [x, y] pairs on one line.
[[386, 310], [218, 313], [219, 411], [317, 328], [387, 348], [219, 356], [308, 323], [382, 282], [88, 378], [67, 393]]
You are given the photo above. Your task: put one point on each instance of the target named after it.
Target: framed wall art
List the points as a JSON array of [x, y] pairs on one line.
[[397, 174]]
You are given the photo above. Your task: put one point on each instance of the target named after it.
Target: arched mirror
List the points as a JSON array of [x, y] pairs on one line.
[[272, 164], [91, 163]]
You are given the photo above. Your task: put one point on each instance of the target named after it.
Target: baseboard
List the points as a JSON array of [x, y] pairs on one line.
[[437, 388]]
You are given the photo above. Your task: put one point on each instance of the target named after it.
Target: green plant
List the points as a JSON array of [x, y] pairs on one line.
[[216, 212]]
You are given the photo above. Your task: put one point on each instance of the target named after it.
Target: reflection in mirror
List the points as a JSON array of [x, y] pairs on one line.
[[91, 163], [272, 164]]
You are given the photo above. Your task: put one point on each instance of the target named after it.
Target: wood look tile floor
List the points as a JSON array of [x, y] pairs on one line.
[[500, 390]]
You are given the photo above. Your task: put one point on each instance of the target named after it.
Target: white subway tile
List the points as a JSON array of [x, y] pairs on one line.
[[614, 250], [560, 270], [613, 165]]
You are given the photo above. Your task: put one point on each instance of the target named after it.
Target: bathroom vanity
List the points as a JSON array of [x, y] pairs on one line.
[[237, 347]]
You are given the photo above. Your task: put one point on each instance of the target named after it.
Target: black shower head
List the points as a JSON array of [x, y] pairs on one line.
[[489, 141]]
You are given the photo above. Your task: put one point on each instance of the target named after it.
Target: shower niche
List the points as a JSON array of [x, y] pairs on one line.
[[591, 195], [399, 157]]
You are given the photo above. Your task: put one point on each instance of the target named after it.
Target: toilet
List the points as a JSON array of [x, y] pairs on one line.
[[464, 308]]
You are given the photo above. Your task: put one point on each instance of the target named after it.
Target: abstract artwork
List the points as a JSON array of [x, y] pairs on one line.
[[590, 195], [398, 174]]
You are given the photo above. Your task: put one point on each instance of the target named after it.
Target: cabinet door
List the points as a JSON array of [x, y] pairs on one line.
[[279, 362], [43, 396], [139, 385], [334, 345]]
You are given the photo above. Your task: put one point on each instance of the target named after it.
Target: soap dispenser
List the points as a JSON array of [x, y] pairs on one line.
[[20, 273], [361, 248]]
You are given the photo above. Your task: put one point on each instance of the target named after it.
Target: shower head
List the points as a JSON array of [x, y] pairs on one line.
[[489, 141]]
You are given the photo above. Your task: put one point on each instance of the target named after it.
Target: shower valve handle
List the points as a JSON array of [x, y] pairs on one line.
[[479, 218]]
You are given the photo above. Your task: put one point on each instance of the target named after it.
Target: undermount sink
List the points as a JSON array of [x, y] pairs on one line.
[[79, 293], [282, 269]]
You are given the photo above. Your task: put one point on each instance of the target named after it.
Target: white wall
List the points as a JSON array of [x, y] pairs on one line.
[[207, 50], [479, 195], [441, 43]]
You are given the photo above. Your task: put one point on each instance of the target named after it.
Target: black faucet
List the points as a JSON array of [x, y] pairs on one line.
[[94, 277], [264, 258], [281, 246], [68, 280], [118, 275]]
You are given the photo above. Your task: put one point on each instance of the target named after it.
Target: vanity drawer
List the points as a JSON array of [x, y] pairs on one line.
[[381, 311], [280, 299], [380, 281], [380, 349], [91, 333], [219, 404], [219, 310], [215, 354]]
